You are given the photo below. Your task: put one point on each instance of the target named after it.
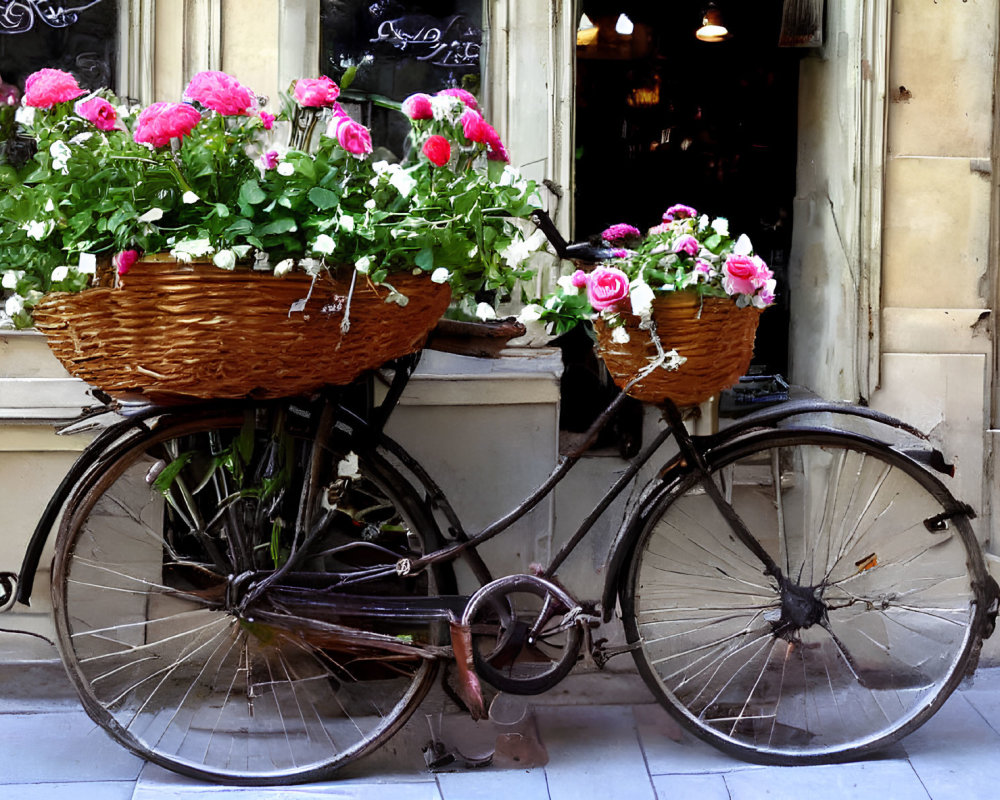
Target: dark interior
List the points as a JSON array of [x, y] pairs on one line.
[[664, 118]]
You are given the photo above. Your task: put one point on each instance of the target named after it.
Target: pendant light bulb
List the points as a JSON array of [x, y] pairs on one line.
[[624, 25]]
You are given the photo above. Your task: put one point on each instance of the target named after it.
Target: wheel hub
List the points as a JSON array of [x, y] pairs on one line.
[[801, 607]]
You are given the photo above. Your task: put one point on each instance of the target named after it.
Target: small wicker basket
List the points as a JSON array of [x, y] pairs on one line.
[[713, 335], [177, 330]]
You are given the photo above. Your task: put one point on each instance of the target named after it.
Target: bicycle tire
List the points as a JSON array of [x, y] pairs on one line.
[[768, 674], [148, 617]]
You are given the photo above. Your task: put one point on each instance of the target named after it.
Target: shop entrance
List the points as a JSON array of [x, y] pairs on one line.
[[664, 118]]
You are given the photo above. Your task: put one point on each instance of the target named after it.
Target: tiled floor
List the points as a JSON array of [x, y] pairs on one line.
[[49, 749]]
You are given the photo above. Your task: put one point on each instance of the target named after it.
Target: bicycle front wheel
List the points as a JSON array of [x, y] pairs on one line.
[[868, 624], [171, 645]]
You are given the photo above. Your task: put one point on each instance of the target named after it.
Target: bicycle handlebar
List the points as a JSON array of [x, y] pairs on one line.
[[580, 251]]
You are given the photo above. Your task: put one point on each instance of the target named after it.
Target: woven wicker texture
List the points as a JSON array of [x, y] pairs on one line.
[[198, 331], [714, 335]]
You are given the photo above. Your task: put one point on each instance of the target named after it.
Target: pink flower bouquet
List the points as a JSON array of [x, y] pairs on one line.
[[219, 177]]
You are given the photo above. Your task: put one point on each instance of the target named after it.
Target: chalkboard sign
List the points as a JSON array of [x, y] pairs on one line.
[[79, 36], [400, 47]]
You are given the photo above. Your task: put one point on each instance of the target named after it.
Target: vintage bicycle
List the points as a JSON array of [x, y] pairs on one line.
[[261, 592]]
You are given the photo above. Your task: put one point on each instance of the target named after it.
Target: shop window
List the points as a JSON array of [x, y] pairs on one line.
[[398, 48], [80, 37]]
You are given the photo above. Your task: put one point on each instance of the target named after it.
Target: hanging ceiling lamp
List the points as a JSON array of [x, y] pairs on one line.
[[624, 25], [586, 32], [712, 29]]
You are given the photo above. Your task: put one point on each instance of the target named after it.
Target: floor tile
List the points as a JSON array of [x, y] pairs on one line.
[[61, 747], [955, 752], [98, 790], [671, 750], [703, 787], [593, 752], [492, 784], [877, 780]]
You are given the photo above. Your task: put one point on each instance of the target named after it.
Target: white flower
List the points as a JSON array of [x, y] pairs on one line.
[[641, 296], [485, 311], [190, 197], [567, 286], [284, 267], [60, 274], [721, 226], [363, 265], [346, 223], [225, 259], [188, 249], [14, 305], [312, 266], [286, 169], [619, 335], [440, 275], [154, 214], [530, 313], [88, 264], [324, 244], [25, 115], [703, 222], [743, 246], [37, 230], [403, 181], [370, 204], [11, 278], [61, 155], [511, 177], [519, 248], [447, 108], [49, 205]]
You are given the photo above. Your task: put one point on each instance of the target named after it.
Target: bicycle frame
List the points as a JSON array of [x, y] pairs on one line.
[[114, 439]]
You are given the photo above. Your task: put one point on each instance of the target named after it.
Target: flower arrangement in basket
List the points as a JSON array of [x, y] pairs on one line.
[[210, 247], [674, 312]]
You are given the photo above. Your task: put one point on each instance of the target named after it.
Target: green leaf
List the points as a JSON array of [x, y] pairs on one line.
[[250, 192], [165, 480], [322, 198], [425, 259], [280, 225]]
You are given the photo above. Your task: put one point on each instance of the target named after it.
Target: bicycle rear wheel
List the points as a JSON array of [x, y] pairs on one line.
[[157, 563], [872, 623]]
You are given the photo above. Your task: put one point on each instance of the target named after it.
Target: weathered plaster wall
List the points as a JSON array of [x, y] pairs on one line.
[[936, 286]]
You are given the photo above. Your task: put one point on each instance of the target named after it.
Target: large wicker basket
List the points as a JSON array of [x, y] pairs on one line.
[[193, 330], [713, 335]]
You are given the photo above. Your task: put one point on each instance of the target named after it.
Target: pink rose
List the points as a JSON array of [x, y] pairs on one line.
[[462, 95], [270, 159], [656, 230], [316, 92], [579, 279], [679, 212], [620, 231], [687, 244], [353, 136], [220, 92], [606, 286], [98, 111], [161, 122], [495, 149], [267, 119], [47, 87], [744, 274], [418, 106], [438, 150], [124, 260], [473, 125]]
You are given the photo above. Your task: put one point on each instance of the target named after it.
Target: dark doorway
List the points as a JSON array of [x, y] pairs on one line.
[[664, 118]]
